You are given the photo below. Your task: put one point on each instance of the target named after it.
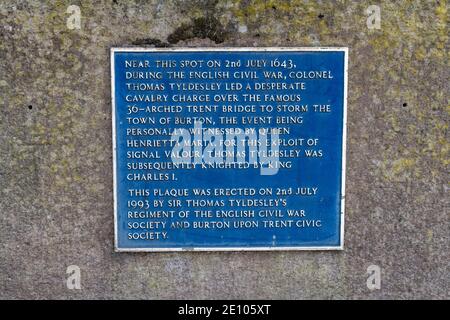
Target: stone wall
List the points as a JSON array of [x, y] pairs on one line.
[[56, 205]]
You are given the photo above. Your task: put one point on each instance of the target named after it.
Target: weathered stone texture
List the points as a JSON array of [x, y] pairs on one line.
[[56, 164]]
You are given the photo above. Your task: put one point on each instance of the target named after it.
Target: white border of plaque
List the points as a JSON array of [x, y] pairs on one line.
[[181, 49]]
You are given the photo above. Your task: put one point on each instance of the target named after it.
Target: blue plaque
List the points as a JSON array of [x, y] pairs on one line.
[[229, 148]]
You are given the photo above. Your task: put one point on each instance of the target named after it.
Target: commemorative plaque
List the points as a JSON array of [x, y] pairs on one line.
[[229, 148]]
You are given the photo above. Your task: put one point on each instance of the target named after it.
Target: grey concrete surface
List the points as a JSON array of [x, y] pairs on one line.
[[56, 204]]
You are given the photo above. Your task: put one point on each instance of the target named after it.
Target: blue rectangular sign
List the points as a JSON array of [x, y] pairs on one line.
[[229, 148]]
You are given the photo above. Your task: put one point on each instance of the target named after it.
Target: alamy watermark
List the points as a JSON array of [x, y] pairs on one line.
[[222, 147], [374, 17], [374, 280], [74, 20], [73, 281]]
